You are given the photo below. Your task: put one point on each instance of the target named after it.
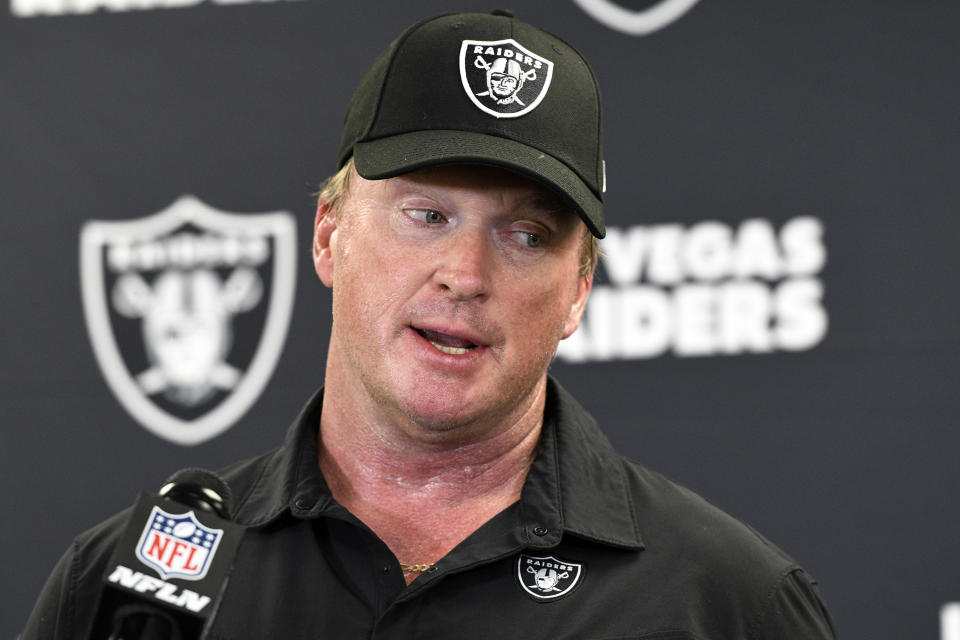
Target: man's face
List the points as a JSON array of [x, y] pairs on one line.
[[451, 288]]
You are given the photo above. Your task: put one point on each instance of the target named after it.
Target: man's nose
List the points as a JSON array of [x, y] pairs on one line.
[[463, 269]]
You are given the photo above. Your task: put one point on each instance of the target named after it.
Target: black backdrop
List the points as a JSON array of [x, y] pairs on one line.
[[823, 416]]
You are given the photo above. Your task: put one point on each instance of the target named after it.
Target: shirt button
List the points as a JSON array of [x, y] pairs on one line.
[[302, 503], [540, 531]]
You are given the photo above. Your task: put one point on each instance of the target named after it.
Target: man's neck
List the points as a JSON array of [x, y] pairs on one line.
[[371, 464], [420, 492]]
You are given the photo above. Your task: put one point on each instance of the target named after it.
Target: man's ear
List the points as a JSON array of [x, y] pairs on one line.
[[584, 284], [324, 235]]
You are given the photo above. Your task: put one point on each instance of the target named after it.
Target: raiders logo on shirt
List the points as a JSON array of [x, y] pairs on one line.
[[547, 577]]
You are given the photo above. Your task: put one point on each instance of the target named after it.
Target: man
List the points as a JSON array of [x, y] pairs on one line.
[[441, 485]]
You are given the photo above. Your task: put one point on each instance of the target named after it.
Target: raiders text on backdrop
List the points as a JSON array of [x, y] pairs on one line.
[[609, 13], [709, 289], [30, 8]]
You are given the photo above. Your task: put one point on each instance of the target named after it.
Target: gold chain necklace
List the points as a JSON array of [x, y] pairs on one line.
[[415, 568]]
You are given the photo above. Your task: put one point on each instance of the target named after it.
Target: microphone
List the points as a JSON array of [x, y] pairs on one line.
[[171, 566], [201, 489]]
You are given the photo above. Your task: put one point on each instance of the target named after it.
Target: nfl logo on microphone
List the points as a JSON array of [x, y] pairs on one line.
[[177, 545]]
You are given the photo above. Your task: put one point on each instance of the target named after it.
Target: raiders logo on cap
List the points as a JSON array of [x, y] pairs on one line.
[[504, 78]]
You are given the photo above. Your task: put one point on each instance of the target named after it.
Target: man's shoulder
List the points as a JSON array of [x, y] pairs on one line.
[[714, 575], [91, 549], [695, 547], [70, 594], [673, 519], [666, 516]]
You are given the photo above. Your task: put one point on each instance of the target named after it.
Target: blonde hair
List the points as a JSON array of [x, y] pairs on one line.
[[334, 190]]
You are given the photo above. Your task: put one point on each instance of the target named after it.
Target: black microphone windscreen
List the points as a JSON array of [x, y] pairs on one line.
[[200, 488]]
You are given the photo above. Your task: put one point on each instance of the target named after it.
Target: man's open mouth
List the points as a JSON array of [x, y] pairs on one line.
[[447, 344]]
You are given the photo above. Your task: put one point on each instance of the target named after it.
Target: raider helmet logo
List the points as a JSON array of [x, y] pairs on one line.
[[546, 577], [503, 78], [164, 298]]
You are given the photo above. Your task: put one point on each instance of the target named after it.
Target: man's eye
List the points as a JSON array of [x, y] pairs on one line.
[[531, 240], [429, 216]]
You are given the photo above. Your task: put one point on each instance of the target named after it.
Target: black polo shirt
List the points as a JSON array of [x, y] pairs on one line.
[[596, 547]]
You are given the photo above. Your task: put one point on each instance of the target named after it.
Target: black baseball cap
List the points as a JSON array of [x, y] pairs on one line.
[[470, 88]]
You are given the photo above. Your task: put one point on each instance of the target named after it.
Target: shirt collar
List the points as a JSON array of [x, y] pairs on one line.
[[288, 479], [577, 483]]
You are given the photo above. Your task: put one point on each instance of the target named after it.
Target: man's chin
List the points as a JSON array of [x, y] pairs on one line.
[[442, 417]]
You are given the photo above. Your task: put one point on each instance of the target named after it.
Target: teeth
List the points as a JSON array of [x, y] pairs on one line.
[[453, 351]]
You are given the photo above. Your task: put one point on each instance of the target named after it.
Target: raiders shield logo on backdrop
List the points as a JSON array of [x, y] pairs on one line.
[[637, 22], [187, 311], [504, 78], [547, 577]]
